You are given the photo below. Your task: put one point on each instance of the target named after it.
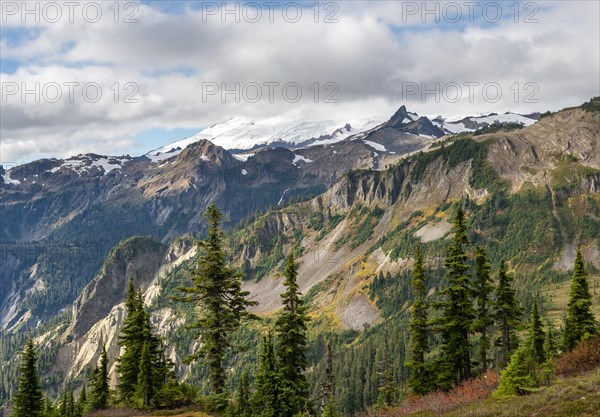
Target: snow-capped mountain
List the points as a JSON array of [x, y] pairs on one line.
[[472, 123], [242, 133]]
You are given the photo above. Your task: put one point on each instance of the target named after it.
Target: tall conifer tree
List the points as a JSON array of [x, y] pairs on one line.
[[291, 331], [139, 382], [507, 314], [579, 320], [131, 339], [99, 392], [268, 400], [82, 401], [242, 403], [216, 290], [420, 379], [28, 399], [456, 320], [537, 335], [386, 375], [483, 289], [550, 343]]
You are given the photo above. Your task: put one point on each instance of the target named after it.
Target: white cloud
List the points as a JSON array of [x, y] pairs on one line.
[[371, 54]]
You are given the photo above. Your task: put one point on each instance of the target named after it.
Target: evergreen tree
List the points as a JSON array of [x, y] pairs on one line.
[[63, 405], [507, 313], [49, 410], [327, 389], [131, 340], [330, 410], [136, 387], [419, 381], [386, 375], [28, 401], [519, 375], [216, 290], [527, 367], [457, 316], [537, 336], [291, 331], [243, 397], [579, 321], [99, 393], [482, 290], [267, 400], [80, 404], [550, 344], [144, 386]]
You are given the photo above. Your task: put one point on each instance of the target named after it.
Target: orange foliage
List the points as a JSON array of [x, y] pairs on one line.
[[441, 402], [584, 357]]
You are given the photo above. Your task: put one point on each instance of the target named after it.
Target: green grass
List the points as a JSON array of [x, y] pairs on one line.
[[577, 396]]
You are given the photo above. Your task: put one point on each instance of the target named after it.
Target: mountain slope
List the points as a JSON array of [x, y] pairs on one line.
[[530, 195]]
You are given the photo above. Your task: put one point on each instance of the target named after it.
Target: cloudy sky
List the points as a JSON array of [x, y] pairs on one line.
[[124, 78]]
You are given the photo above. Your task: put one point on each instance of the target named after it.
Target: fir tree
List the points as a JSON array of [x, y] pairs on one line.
[[519, 375], [71, 404], [386, 375], [579, 321], [507, 313], [99, 393], [28, 401], [267, 400], [524, 371], [330, 410], [537, 336], [291, 331], [144, 386], [136, 335], [457, 316], [243, 397], [419, 381], [131, 340], [63, 405], [81, 404], [482, 290], [216, 290], [550, 344], [49, 410], [327, 389]]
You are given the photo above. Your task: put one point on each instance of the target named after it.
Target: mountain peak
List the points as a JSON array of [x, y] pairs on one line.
[[400, 118]]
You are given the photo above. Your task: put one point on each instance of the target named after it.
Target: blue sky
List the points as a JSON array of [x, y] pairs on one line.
[[165, 61]]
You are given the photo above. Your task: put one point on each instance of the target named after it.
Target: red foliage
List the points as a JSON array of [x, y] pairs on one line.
[[584, 357], [441, 402]]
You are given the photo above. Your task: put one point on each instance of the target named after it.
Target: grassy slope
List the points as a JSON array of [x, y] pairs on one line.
[[573, 392], [122, 412], [575, 396]]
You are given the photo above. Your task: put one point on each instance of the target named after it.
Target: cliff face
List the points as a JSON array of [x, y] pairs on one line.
[[138, 258], [557, 159]]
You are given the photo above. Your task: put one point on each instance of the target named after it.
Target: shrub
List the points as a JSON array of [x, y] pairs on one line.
[[439, 402], [584, 357], [173, 395]]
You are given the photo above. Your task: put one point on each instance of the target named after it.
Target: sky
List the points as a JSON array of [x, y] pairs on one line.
[[126, 77]]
